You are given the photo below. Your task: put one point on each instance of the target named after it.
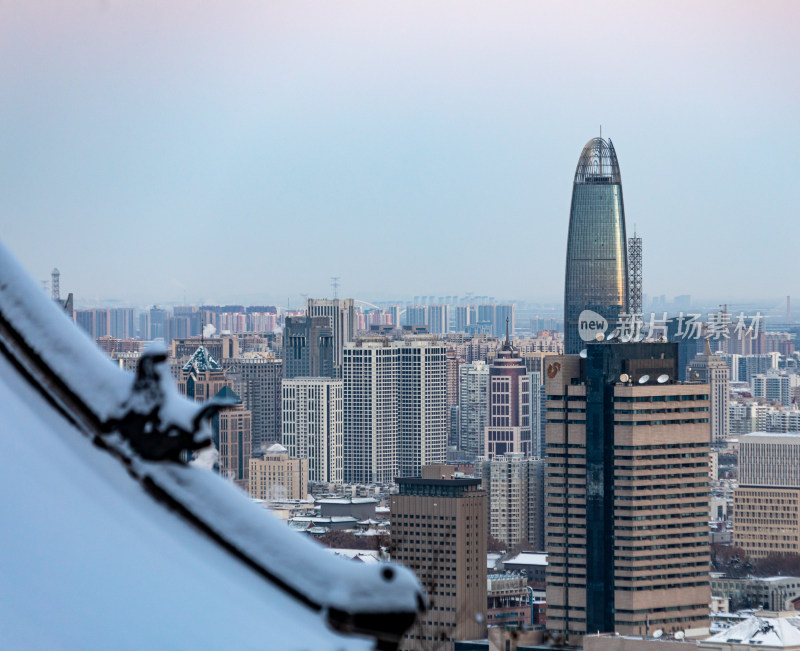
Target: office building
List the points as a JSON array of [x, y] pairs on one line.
[[308, 346], [341, 313], [202, 377], [276, 476], [627, 462], [508, 429], [710, 369], [256, 378], [313, 423], [222, 348], [423, 403], [597, 260], [371, 374], [438, 529], [515, 488], [766, 514], [232, 435]]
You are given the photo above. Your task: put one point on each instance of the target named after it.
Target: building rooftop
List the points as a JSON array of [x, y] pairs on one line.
[[762, 629], [202, 360], [527, 558]]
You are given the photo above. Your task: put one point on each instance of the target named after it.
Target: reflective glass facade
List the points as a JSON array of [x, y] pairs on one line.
[[597, 264]]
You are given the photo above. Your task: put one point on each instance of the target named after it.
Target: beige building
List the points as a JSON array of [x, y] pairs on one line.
[[627, 461], [439, 531], [515, 488], [276, 476], [232, 429], [766, 514], [201, 379]]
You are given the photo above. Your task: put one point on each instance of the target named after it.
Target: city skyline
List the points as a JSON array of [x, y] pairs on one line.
[[147, 141]]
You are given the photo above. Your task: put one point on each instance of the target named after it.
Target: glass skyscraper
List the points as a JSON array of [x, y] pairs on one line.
[[597, 261]]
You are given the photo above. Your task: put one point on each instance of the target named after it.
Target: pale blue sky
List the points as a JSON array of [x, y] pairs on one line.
[[251, 150]]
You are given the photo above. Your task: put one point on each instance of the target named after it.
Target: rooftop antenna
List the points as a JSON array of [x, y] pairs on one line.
[[55, 288], [335, 285], [507, 319], [601, 132]]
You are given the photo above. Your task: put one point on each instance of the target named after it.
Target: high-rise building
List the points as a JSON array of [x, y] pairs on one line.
[[509, 422], [710, 369], [276, 476], [123, 323], [766, 516], [438, 529], [473, 408], [257, 378], [627, 493], [423, 403], [158, 324], [438, 319], [371, 375], [503, 317], [463, 313], [308, 346], [453, 363], [515, 486], [343, 320], [313, 424], [536, 411], [416, 315], [96, 322], [202, 377], [597, 261], [232, 434]]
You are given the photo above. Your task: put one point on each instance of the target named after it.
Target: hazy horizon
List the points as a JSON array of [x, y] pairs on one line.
[[153, 152]]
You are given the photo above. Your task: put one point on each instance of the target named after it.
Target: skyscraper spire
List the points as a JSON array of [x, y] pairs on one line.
[[596, 282]]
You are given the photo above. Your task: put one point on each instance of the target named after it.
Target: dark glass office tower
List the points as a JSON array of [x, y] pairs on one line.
[[597, 261]]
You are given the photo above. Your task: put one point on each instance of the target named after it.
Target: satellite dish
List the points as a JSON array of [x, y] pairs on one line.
[[624, 377], [662, 378], [680, 635], [658, 633], [644, 379], [600, 336], [583, 354]]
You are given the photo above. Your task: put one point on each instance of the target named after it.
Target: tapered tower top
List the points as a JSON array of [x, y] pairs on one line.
[[598, 164]]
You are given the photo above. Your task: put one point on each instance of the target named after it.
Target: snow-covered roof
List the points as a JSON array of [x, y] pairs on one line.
[[116, 543], [766, 631], [527, 558], [347, 500], [202, 361], [362, 555]]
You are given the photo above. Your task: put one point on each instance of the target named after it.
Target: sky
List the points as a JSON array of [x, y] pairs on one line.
[[248, 151]]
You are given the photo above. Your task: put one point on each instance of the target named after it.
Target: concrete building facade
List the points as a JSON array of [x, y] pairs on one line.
[[438, 529], [371, 375], [313, 424], [627, 460]]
